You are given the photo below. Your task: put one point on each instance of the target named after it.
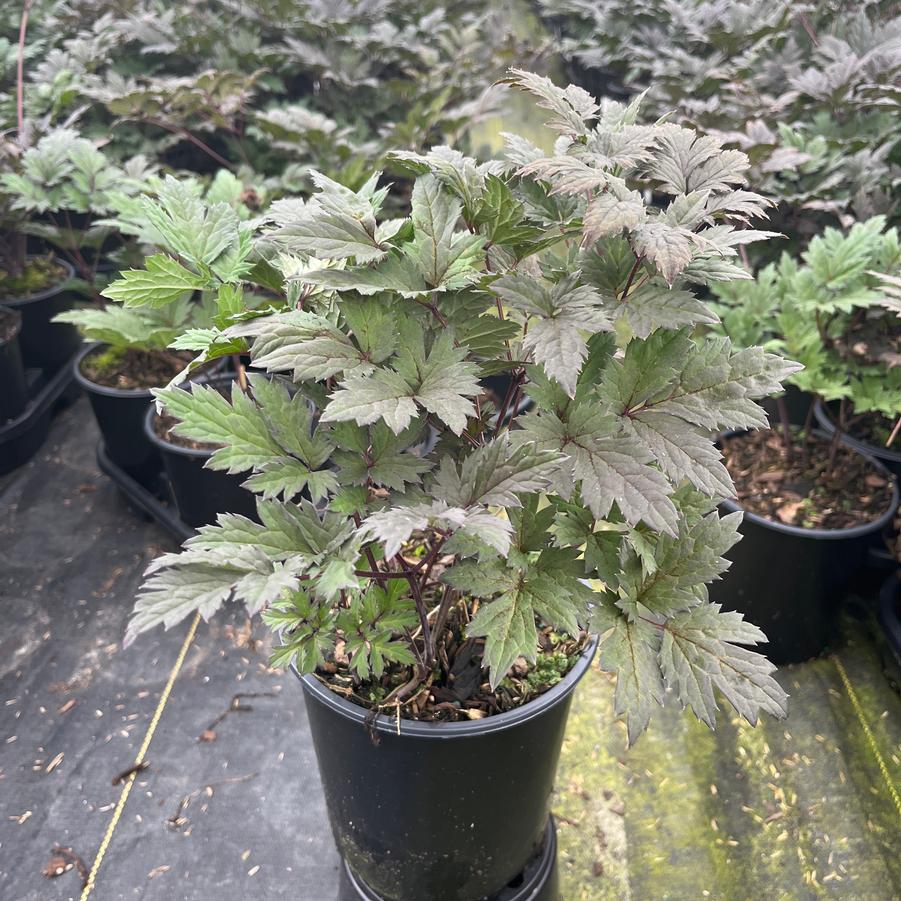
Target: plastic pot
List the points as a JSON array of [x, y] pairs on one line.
[[891, 459], [200, 494], [20, 438], [539, 881], [443, 811], [47, 344], [788, 580], [120, 414], [14, 391]]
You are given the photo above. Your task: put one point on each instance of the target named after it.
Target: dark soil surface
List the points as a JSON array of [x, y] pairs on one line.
[[459, 690], [133, 368], [9, 325], [40, 273], [869, 428], [797, 489], [872, 428]]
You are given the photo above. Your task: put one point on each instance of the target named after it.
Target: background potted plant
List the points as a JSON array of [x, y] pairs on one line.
[[36, 286], [187, 293], [815, 500], [65, 186], [442, 596], [807, 92]]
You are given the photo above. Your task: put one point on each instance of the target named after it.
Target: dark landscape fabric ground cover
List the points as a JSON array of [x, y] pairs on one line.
[[800, 809]]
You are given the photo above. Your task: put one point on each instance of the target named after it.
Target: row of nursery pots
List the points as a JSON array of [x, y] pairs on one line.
[[134, 442]]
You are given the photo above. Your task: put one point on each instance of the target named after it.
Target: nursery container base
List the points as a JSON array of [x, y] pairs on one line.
[[155, 504], [20, 438], [538, 882]]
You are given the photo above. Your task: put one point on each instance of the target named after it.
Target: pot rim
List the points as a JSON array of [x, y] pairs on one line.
[[387, 724], [96, 388], [17, 329], [169, 446], [821, 412], [858, 531], [17, 302]]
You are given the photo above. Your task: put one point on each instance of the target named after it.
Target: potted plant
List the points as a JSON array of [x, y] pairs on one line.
[[37, 287], [805, 92], [814, 500], [65, 186], [441, 604], [188, 292]]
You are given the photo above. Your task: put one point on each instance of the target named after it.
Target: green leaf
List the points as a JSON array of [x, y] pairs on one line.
[[335, 224], [562, 313], [610, 213], [668, 247], [203, 580], [655, 306], [306, 629], [438, 380], [697, 657], [272, 435], [572, 107], [629, 649], [394, 526], [204, 234], [610, 467], [682, 566], [121, 327], [163, 282], [305, 344], [494, 474]]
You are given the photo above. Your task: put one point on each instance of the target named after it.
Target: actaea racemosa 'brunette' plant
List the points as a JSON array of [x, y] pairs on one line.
[[442, 530]]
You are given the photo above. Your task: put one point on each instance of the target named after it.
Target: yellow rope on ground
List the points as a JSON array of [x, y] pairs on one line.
[[871, 739], [130, 780]]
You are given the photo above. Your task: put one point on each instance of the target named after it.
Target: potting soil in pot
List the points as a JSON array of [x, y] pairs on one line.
[[798, 488]]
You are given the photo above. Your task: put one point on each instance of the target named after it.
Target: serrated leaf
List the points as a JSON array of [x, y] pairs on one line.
[[563, 312], [655, 306], [395, 526], [438, 380], [697, 657], [610, 213], [572, 107], [629, 649], [163, 282], [682, 452], [668, 247], [305, 344], [494, 474]]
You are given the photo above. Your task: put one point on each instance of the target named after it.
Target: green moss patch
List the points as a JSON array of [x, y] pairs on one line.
[[789, 810]]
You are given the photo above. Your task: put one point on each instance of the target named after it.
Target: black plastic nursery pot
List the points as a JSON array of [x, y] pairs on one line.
[[22, 436], [889, 458], [14, 391], [788, 580], [120, 414], [200, 494], [441, 811], [44, 343]]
